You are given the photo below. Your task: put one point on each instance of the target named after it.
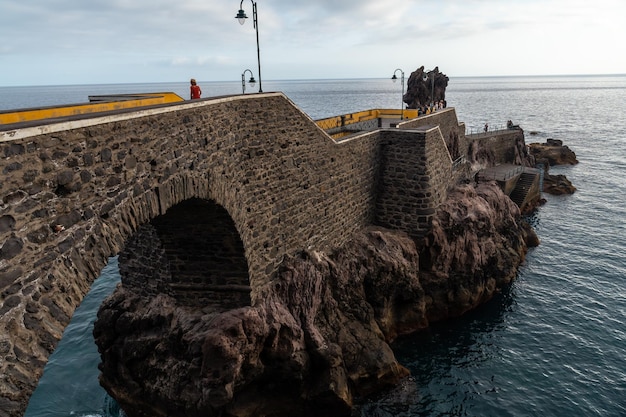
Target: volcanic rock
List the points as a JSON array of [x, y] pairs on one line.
[[420, 92], [557, 185], [554, 152], [316, 338]]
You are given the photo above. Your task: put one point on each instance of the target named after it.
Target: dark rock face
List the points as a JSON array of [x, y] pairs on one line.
[[476, 244], [552, 153], [557, 185], [422, 92], [316, 338]]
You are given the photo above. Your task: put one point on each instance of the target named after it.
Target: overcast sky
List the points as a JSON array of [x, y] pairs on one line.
[[49, 42]]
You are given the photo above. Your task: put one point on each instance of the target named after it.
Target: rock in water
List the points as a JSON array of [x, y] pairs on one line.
[[316, 337], [554, 152]]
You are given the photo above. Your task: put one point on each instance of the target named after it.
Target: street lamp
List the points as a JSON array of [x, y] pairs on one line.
[[252, 81], [394, 78], [432, 85], [241, 16]]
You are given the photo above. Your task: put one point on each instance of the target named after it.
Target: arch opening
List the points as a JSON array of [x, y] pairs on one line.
[[194, 253]]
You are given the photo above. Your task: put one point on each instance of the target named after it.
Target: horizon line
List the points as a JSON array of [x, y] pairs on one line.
[[320, 79]]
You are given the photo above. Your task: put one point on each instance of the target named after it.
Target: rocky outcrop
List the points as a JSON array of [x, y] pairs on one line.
[[316, 338], [424, 88], [552, 153], [557, 185], [477, 243]]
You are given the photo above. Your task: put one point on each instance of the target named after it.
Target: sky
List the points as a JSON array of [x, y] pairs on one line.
[[60, 42]]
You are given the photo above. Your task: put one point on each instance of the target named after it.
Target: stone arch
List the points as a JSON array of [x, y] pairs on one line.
[[207, 256], [182, 239]]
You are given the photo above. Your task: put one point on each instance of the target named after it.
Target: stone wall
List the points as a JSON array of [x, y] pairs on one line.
[[75, 192], [416, 170], [364, 125], [502, 144], [205, 256], [452, 131]]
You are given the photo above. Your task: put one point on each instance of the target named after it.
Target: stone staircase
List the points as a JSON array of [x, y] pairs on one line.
[[522, 188]]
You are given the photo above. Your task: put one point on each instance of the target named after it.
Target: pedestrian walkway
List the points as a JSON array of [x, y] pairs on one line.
[[502, 172]]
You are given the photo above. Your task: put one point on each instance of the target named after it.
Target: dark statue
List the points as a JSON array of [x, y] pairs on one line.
[[423, 85]]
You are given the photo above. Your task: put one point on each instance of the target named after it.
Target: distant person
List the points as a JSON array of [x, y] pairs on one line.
[[196, 92], [486, 127]]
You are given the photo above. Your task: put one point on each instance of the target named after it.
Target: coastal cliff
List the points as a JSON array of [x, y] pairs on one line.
[[317, 338]]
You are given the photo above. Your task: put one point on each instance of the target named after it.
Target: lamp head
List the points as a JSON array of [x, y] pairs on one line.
[[394, 78], [241, 16], [252, 81]]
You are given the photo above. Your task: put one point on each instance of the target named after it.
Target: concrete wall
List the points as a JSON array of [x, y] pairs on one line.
[[284, 183]]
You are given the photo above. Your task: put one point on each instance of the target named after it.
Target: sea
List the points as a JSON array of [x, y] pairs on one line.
[[551, 344]]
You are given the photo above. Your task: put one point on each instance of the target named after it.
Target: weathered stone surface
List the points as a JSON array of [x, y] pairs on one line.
[[65, 177], [477, 242], [554, 152], [557, 185], [316, 339], [500, 147], [7, 223], [11, 248], [419, 92], [8, 277]]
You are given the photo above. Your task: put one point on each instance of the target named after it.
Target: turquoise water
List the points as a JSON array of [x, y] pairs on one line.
[[553, 344], [69, 386]]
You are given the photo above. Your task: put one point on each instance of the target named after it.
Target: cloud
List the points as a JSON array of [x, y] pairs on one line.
[[124, 40]]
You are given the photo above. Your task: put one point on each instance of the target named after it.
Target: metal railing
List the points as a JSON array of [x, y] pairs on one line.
[[458, 162], [502, 176], [342, 121], [96, 104], [478, 131]]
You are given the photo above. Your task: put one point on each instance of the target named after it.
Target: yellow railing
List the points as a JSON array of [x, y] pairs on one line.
[[352, 118], [98, 104]]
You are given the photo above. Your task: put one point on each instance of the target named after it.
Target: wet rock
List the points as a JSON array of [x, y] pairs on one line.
[[554, 152], [557, 185]]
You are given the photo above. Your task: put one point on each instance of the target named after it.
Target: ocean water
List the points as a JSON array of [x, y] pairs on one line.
[[551, 344]]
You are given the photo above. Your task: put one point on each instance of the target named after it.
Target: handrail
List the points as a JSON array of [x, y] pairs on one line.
[[481, 132], [498, 176], [357, 117], [458, 162]]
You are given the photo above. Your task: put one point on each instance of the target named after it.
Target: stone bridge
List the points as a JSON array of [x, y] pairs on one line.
[[230, 185]]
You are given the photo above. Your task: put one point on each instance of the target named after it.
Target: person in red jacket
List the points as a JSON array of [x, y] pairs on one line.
[[196, 92]]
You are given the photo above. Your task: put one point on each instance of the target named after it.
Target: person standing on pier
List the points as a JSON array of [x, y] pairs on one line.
[[196, 92]]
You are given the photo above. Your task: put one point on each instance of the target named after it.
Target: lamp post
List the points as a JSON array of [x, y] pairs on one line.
[[251, 81], [394, 78], [432, 85], [241, 16]]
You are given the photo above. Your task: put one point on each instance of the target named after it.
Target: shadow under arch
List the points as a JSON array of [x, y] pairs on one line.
[[193, 253]]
